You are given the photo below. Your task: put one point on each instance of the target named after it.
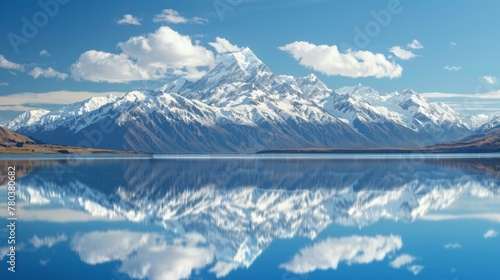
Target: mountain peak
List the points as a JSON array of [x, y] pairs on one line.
[[312, 77], [361, 89], [173, 87], [408, 91], [244, 58], [313, 87], [237, 67]]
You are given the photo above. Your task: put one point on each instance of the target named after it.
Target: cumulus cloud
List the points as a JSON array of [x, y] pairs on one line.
[[129, 19], [402, 260], [145, 255], [415, 44], [490, 79], [44, 53], [4, 84], [6, 64], [328, 60], [402, 53], [172, 16], [98, 66], [490, 233], [452, 68], [18, 101], [47, 241], [329, 253], [47, 73], [146, 57], [452, 246], [222, 45], [415, 269], [164, 49]]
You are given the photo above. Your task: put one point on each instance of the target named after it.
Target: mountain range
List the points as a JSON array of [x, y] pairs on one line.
[[241, 106]]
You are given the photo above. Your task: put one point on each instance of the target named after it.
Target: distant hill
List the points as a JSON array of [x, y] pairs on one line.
[[7, 136], [485, 142], [15, 143], [9, 139]]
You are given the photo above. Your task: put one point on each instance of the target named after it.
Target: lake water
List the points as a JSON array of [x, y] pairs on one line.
[[254, 217]]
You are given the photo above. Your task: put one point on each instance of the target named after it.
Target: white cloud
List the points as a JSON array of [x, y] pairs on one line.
[[355, 64], [487, 95], [129, 19], [145, 255], [222, 269], [415, 44], [44, 262], [452, 246], [222, 45], [490, 234], [47, 73], [6, 64], [97, 66], [3, 252], [453, 44], [402, 53], [490, 79], [44, 53], [149, 57], [199, 20], [16, 101], [4, 84], [402, 260], [452, 68], [164, 49], [329, 253], [172, 16], [47, 241], [415, 269]]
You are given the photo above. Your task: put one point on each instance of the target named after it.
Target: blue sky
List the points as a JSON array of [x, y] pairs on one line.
[[446, 49]]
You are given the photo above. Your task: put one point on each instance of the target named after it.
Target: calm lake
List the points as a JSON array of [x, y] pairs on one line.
[[254, 217]]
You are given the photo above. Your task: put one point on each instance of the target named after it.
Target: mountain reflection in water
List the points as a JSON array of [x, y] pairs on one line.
[[222, 214]]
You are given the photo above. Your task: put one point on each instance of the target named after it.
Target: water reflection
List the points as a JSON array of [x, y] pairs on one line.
[[221, 215]]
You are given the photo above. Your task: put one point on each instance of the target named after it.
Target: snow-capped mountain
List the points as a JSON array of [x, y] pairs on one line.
[[491, 123], [51, 120], [399, 118], [242, 106]]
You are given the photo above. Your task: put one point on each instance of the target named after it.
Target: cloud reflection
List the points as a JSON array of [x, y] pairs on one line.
[[328, 253], [415, 269], [402, 261], [452, 246], [491, 233], [47, 241], [145, 255]]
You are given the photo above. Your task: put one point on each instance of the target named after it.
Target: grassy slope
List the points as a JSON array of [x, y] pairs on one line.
[[9, 141]]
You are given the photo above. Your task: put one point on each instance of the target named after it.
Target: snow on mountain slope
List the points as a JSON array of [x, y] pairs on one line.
[[490, 123], [405, 113], [53, 119], [243, 106], [313, 88], [26, 119]]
